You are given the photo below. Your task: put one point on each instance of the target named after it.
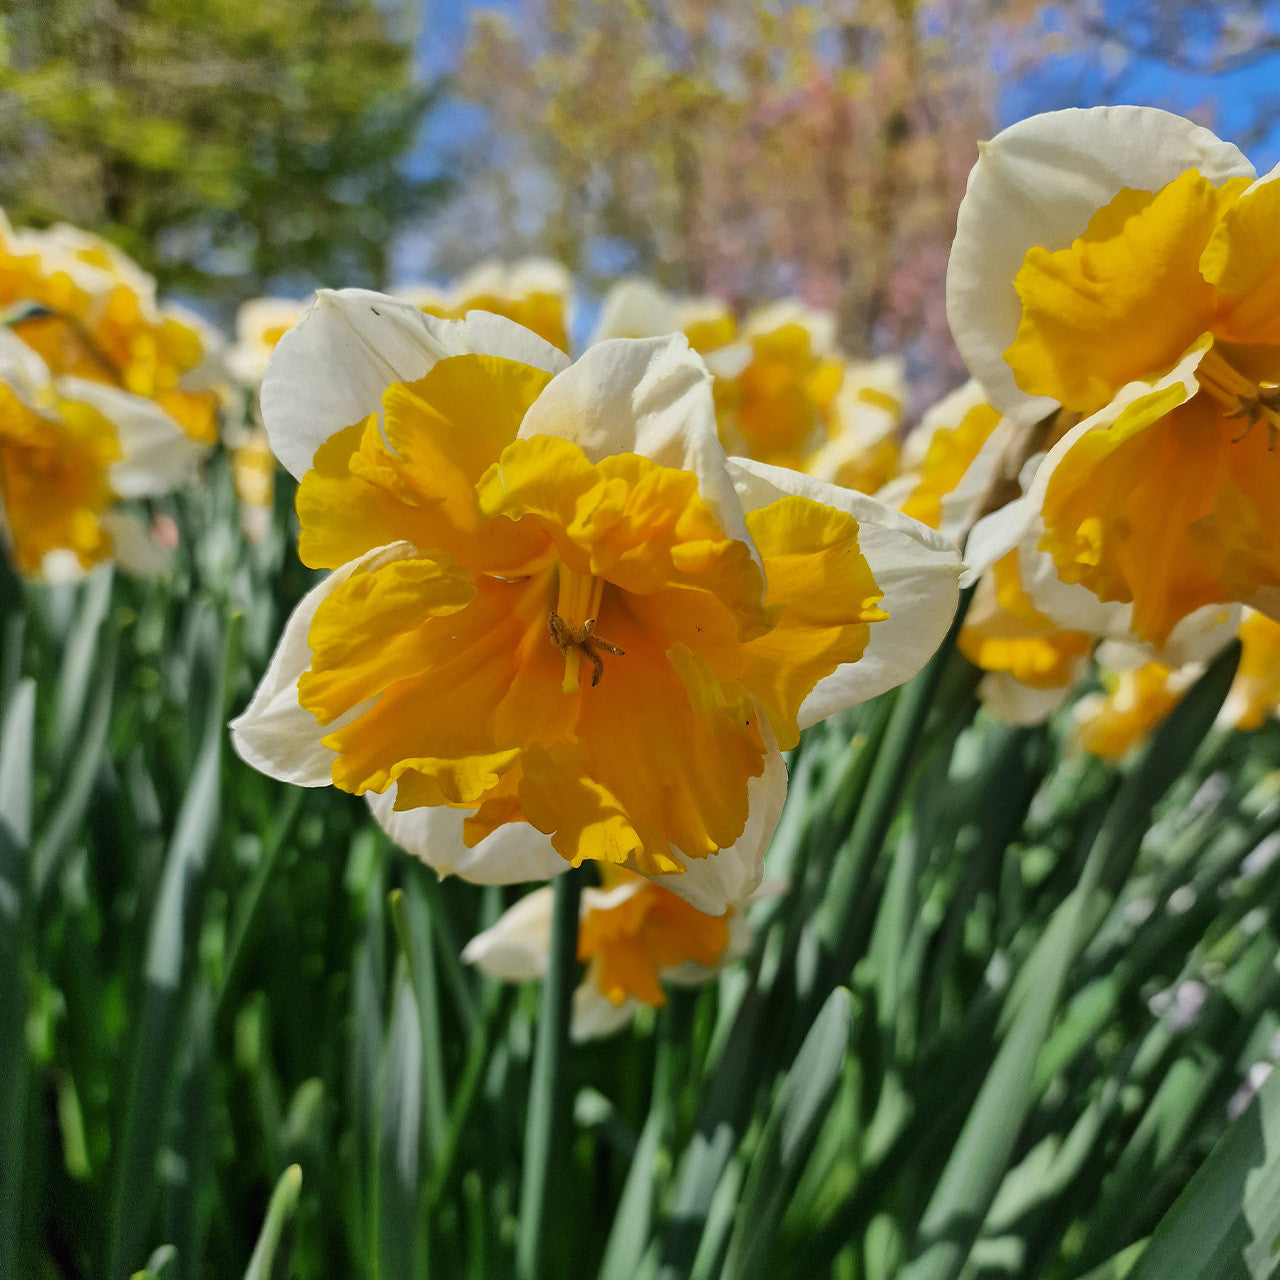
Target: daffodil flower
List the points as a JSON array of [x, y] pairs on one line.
[[533, 292], [91, 313], [863, 452], [260, 324], [635, 938], [1254, 697], [951, 463], [1029, 664], [1120, 267], [561, 624], [1137, 697], [72, 450]]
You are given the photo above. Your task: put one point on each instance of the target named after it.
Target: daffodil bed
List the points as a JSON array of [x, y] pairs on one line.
[[674, 821]]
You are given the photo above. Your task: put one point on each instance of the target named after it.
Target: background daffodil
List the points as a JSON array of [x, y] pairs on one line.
[[1120, 265]]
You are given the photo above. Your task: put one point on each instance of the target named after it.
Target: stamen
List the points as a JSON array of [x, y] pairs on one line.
[[1240, 396], [572, 626]]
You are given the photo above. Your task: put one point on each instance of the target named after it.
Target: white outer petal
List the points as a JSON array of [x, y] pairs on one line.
[[516, 946], [642, 395], [330, 370], [132, 546], [1038, 183], [513, 854], [714, 884], [1015, 703], [157, 455], [595, 1016], [636, 308], [962, 504], [916, 568], [274, 733], [820, 325]]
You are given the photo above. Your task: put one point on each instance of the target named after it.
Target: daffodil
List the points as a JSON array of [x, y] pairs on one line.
[[637, 308], [1120, 267], [91, 313], [1029, 663], [863, 451], [260, 324], [1136, 699], [533, 292], [635, 938], [561, 625], [72, 451], [784, 394], [952, 462], [1255, 693]]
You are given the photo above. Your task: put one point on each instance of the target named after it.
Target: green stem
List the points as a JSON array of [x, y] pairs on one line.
[[879, 803], [547, 1088]]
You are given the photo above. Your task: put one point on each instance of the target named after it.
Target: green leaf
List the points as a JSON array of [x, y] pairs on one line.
[[174, 929], [1226, 1224], [400, 1144], [15, 916], [980, 1158], [273, 1255], [788, 1138]]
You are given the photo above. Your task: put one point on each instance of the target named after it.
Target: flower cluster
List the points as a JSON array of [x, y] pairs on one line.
[[577, 610], [105, 396]]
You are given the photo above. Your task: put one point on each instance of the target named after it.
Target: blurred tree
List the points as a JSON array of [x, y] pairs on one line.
[[748, 149], [753, 148], [225, 143]]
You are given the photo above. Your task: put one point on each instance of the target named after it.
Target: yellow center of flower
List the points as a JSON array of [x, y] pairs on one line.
[[53, 479], [629, 945], [572, 625], [452, 664]]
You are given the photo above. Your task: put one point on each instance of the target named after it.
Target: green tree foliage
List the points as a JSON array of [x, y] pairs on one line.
[[221, 143]]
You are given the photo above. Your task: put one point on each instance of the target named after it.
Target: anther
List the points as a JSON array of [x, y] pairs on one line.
[[584, 640]]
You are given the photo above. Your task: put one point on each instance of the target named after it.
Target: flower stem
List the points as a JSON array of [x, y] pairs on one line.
[[545, 1120]]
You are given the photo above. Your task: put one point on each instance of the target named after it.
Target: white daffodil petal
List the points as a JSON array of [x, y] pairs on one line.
[[513, 854], [516, 946], [132, 546], [330, 370], [595, 1015], [1038, 183], [636, 308], [714, 884], [995, 535], [157, 455], [1015, 703], [915, 567], [649, 396], [274, 733]]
